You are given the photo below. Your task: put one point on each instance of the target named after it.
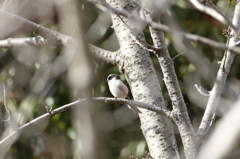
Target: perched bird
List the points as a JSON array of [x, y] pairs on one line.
[[119, 90]]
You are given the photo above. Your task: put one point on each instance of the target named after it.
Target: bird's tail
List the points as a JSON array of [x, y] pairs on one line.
[[134, 109]]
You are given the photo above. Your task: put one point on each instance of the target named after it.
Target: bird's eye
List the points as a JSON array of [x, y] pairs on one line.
[[110, 77]]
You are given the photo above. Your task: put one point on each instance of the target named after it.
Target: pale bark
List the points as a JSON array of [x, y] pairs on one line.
[[210, 11], [181, 118], [22, 42], [59, 39], [220, 82], [53, 37], [225, 137], [141, 76], [104, 55], [192, 37], [136, 63], [71, 105]]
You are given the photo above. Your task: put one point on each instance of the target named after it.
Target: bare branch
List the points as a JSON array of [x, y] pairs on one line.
[[213, 13], [52, 37], [106, 56], [224, 138], [212, 43], [5, 4], [181, 43], [180, 54], [195, 38], [20, 42], [65, 107], [213, 6], [222, 74], [170, 79], [154, 108], [56, 38], [135, 61], [9, 119], [199, 89], [138, 40]]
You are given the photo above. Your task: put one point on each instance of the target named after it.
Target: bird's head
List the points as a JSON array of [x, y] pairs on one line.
[[112, 76]]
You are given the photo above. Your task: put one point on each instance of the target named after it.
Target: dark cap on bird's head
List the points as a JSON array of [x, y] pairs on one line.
[[111, 76], [119, 89]]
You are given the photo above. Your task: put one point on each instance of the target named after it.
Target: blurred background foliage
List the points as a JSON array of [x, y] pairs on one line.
[[21, 68]]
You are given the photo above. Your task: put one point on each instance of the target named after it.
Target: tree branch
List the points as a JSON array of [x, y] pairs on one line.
[[5, 4], [213, 13], [52, 37], [222, 74], [9, 118], [21, 42], [212, 43], [180, 113], [138, 40], [141, 76], [224, 138], [192, 37], [200, 90], [56, 38], [104, 55], [74, 104]]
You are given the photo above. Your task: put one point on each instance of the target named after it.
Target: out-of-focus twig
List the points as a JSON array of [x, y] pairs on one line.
[[52, 37], [174, 58], [5, 4], [17, 42], [216, 14], [56, 38], [9, 119], [224, 137], [49, 37], [199, 89], [195, 38]]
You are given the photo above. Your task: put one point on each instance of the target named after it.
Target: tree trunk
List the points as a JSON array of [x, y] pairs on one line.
[[136, 63]]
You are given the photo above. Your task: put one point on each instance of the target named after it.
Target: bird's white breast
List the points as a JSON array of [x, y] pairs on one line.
[[118, 88]]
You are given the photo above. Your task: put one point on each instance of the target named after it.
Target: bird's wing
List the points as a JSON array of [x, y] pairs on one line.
[[123, 88]]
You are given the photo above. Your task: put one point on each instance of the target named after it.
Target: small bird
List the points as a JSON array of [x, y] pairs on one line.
[[119, 89]]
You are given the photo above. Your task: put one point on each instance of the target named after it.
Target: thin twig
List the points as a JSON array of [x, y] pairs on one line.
[[65, 39], [199, 89], [20, 42], [9, 119], [5, 4], [195, 38], [178, 55], [52, 37], [230, 2], [213, 12], [138, 40], [212, 5]]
